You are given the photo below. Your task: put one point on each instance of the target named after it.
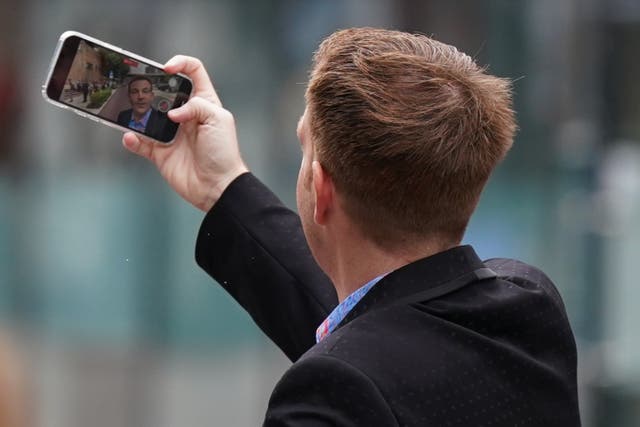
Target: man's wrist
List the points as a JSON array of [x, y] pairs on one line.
[[216, 190]]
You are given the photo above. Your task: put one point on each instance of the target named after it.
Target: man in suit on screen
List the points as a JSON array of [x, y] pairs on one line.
[[142, 116]]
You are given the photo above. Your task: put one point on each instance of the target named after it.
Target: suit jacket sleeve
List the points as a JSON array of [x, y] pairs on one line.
[[326, 391], [255, 248]]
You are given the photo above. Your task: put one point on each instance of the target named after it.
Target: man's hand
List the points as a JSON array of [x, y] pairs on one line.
[[204, 157]]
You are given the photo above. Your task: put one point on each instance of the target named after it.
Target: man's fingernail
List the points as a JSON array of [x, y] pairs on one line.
[[129, 142], [176, 112], [171, 62]]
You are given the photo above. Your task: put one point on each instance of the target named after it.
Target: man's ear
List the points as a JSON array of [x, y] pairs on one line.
[[324, 193]]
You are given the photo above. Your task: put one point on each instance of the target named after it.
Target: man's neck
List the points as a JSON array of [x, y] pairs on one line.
[[358, 261], [351, 258]]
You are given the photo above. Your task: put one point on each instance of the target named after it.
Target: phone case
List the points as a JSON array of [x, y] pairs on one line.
[[81, 113]]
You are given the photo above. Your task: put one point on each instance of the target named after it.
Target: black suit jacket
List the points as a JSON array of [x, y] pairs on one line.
[[158, 126], [434, 343]]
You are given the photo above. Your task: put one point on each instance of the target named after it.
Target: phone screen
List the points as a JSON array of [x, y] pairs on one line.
[[117, 88]]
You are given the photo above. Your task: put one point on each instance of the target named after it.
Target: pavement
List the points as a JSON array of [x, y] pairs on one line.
[[74, 97], [118, 101]]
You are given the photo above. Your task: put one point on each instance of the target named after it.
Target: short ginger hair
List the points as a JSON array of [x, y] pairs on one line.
[[409, 129]]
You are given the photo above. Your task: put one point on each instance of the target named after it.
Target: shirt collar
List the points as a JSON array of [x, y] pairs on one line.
[[142, 122], [341, 311]]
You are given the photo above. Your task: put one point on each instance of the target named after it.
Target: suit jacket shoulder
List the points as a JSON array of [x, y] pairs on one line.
[[124, 117], [525, 275], [160, 126], [322, 390], [496, 352]]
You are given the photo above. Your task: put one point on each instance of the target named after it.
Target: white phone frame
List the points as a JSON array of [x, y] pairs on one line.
[[63, 37]]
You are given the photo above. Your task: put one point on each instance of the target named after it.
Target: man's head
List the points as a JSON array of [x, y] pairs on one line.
[[140, 95], [408, 129]]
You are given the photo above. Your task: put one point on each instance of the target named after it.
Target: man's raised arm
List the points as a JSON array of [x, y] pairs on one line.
[[249, 242]]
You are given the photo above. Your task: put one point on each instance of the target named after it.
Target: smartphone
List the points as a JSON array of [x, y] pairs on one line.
[[112, 86]]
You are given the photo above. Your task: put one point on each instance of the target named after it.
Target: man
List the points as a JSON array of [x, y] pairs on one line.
[[84, 86], [399, 136], [141, 116]]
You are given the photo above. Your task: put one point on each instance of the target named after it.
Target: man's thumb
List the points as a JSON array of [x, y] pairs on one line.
[[133, 143]]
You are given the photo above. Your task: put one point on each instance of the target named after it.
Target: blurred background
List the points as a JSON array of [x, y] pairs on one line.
[[105, 319]]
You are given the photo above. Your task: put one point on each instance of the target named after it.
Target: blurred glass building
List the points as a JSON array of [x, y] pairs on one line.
[[109, 320]]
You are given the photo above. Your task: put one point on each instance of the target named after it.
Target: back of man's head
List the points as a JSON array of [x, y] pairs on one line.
[[409, 129]]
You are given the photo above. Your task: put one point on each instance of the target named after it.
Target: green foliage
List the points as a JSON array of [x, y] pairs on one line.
[[96, 99], [112, 61]]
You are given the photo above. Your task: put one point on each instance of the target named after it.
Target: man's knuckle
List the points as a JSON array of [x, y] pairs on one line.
[[226, 115], [194, 64]]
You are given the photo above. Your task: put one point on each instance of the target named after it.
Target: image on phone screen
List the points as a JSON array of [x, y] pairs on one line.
[[117, 88]]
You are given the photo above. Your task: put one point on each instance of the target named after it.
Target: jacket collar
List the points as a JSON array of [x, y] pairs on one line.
[[419, 276]]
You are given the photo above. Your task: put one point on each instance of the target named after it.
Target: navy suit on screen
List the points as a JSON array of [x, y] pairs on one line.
[[159, 126]]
